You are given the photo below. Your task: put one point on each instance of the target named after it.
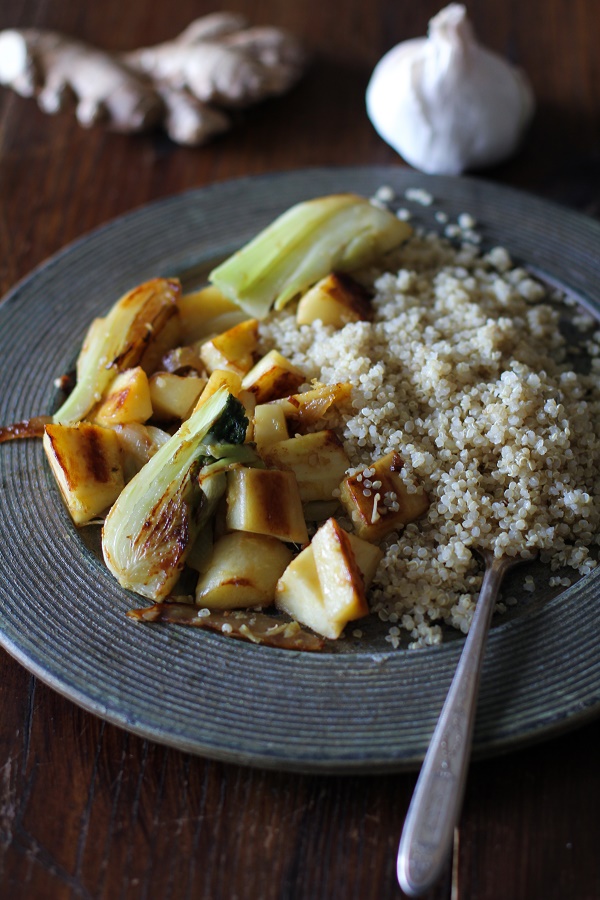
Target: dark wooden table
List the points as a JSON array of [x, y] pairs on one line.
[[89, 811]]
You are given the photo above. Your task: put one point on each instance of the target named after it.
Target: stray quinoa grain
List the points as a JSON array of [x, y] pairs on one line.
[[464, 372]]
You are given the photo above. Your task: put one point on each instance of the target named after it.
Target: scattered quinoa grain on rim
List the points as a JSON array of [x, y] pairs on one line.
[[464, 372]]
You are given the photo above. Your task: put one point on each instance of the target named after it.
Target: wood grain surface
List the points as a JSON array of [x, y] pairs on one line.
[[89, 811]]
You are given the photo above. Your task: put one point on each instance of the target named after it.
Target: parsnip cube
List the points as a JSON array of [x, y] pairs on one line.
[[269, 425], [127, 400], [378, 501], [318, 461], [207, 312], [336, 300], [218, 379], [324, 586], [243, 572], [174, 396], [309, 407], [342, 582], [265, 501], [273, 376], [85, 461], [233, 349]]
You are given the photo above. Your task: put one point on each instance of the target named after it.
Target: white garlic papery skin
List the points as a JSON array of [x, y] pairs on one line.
[[445, 103]]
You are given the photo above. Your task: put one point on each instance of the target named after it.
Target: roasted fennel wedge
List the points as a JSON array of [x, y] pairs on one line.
[[153, 524], [340, 232], [118, 342]]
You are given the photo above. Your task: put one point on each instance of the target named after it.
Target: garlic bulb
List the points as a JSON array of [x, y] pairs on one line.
[[445, 103]]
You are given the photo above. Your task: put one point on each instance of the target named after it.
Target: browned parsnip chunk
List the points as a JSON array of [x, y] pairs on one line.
[[273, 376], [265, 501], [336, 300], [325, 586], [243, 571], [86, 463], [378, 500], [232, 350], [127, 400], [174, 396]]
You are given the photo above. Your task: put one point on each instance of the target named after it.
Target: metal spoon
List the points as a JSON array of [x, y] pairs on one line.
[[435, 806]]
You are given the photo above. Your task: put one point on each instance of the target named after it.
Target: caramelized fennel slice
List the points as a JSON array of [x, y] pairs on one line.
[[28, 428], [246, 625], [128, 336]]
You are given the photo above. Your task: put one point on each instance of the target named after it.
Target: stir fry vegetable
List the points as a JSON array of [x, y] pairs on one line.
[[216, 459], [337, 233]]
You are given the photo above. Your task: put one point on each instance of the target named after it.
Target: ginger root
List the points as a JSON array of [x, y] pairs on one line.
[[57, 70], [221, 61], [186, 84]]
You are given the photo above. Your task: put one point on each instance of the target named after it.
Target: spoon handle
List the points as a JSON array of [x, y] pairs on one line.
[[435, 807]]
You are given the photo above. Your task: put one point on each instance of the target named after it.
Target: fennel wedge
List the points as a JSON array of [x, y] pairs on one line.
[[118, 342], [152, 526], [340, 232]]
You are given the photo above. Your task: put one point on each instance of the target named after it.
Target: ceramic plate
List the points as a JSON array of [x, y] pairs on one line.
[[365, 707]]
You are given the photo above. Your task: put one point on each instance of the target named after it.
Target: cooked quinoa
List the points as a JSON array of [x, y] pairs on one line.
[[465, 372]]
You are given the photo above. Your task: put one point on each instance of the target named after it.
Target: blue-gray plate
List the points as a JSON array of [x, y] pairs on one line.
[[363, 708]]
